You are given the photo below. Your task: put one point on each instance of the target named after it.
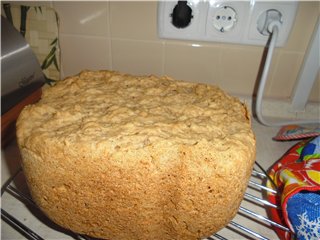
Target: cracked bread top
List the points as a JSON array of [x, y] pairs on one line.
[[134, 111]]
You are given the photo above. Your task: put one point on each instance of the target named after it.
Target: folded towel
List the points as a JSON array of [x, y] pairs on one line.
[[294, 132], [297, 178]]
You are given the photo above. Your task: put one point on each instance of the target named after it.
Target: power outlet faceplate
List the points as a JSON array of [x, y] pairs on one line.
[[226, 21]]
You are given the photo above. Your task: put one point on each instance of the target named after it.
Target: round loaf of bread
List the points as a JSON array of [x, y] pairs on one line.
[[117, 156]]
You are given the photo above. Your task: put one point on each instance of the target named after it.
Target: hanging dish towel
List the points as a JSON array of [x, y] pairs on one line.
[[296, 176]]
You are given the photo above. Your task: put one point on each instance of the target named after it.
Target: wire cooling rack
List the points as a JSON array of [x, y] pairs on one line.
[[251, 221]]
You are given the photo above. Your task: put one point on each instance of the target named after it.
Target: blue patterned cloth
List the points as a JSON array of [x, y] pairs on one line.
[[304, 214], [304, 207]]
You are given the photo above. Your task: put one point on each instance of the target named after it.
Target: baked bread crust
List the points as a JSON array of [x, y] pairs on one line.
[[118, 156]]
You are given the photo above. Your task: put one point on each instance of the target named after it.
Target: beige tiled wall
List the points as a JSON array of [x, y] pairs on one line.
[[122, 36]]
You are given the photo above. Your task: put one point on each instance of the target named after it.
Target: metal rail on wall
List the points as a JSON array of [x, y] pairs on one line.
[[251, 214]]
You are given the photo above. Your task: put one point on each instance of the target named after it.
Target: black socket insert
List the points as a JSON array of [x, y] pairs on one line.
[[181, 15]]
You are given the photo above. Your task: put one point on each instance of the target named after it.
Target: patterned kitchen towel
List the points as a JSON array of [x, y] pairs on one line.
[[297, 178], [294, 132]]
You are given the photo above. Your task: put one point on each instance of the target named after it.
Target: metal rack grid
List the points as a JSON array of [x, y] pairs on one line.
[[251, 214]]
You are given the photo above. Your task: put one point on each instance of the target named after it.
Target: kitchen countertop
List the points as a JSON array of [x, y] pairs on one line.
[[268, 151]]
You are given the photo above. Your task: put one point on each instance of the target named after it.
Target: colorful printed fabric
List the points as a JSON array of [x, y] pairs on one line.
[[297, 178], [291, 132], [304, 214]]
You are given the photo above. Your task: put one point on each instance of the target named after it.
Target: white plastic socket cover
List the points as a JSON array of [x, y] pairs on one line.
[[238, 19], [224, 19]]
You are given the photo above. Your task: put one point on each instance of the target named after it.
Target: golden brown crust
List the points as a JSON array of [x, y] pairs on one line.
[[123, 157]]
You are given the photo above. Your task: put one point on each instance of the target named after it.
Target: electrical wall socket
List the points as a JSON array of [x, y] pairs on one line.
[[226, 21]]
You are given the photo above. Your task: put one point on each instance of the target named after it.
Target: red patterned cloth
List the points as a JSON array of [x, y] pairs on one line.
[[298, 171]]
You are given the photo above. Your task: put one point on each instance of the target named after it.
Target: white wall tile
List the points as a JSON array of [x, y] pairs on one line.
[[83, 18], [137, 57], [83, 52]]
